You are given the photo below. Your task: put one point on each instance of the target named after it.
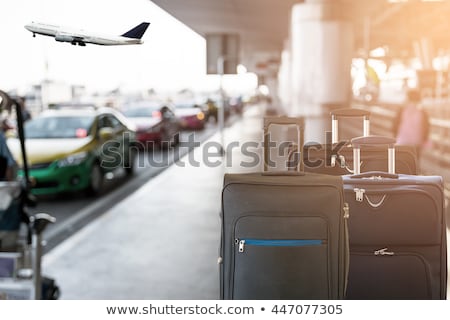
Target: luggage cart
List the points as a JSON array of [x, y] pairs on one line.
[[21, 234]]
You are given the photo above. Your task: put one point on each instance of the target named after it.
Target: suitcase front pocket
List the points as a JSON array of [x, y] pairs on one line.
[[280, 269], [387, 275], [280, 258]]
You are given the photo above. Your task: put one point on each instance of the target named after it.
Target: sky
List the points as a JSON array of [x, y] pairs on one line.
[[171, 58]]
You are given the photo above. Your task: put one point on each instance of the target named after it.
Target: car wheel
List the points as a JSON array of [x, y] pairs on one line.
[[95, 180]]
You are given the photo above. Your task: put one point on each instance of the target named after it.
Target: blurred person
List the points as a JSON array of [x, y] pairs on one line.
[[26, 115], [212, 110], [412, 123], [7, 162], [6, 125], [372, 76], [371, 90]]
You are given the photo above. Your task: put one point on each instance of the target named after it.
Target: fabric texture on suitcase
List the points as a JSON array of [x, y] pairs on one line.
[[397, 234], [283, 237]]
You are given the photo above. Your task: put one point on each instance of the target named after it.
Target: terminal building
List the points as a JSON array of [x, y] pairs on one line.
[[311, 57]]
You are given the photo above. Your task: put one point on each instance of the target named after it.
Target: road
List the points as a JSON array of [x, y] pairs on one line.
[[75, 210]]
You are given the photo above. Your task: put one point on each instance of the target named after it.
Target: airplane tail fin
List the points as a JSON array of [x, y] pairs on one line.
[[137, 32]]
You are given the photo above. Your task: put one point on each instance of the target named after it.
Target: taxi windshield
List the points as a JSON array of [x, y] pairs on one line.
[[59, 127]]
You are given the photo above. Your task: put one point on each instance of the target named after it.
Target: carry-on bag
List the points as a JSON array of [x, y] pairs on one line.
[[397, 231], [336, 158], [284, 234]]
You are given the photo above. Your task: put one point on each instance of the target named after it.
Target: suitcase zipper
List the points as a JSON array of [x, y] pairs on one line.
[[346, 211], [359, 193], [383, 252], [276, 243]]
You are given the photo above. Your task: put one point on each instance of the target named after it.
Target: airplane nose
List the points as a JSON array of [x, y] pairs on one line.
[[29, 26]]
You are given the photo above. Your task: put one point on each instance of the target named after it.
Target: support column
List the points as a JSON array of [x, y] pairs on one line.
[[322, 48], [285, 78]]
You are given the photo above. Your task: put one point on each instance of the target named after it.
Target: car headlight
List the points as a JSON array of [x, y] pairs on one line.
[[73, 159], [200, 116]]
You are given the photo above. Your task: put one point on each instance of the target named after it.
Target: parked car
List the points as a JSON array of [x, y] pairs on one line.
[[155, 123], [191, 115], [211, 108], [72, 149], [72, 105]]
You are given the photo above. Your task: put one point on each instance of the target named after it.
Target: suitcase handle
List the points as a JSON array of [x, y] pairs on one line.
[[268, 121], [373, 141], [371, 174], [283, 173], [349, 113], [299, 122]]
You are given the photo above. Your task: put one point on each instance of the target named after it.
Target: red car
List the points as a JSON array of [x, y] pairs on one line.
[[191, 116], [155, 124]]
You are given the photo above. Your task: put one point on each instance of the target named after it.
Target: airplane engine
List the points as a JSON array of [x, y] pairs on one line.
[[64, 38]]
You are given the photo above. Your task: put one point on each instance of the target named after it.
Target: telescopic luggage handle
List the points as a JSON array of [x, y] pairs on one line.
[[348, 113], [357, 143], [299, 122]]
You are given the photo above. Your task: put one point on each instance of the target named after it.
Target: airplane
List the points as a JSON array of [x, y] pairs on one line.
[[81, 37]]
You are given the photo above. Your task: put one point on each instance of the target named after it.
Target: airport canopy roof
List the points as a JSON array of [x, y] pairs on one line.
[[263, 25]]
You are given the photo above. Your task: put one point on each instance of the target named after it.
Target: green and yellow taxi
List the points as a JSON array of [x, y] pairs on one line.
[[72, 149]]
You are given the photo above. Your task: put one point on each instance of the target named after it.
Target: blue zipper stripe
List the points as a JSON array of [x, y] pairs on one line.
[[282, 243]]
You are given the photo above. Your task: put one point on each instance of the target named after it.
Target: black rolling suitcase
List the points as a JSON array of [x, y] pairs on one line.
[[397, 232], [284, 234], [336, 158]]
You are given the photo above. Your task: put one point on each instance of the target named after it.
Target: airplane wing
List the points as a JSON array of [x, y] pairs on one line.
[[68, 37]]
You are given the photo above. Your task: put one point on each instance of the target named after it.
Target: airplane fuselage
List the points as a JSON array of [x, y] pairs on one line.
[[81, 37]]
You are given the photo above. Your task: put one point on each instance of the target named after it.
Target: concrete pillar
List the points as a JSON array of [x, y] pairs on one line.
[[322, 47], [285, 78]]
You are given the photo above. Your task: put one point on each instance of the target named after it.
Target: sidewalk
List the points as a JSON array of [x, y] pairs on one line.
[[159, 243]]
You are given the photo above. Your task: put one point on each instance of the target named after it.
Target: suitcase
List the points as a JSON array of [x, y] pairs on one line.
[[397, 232], [336, 158], [284, 234]]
